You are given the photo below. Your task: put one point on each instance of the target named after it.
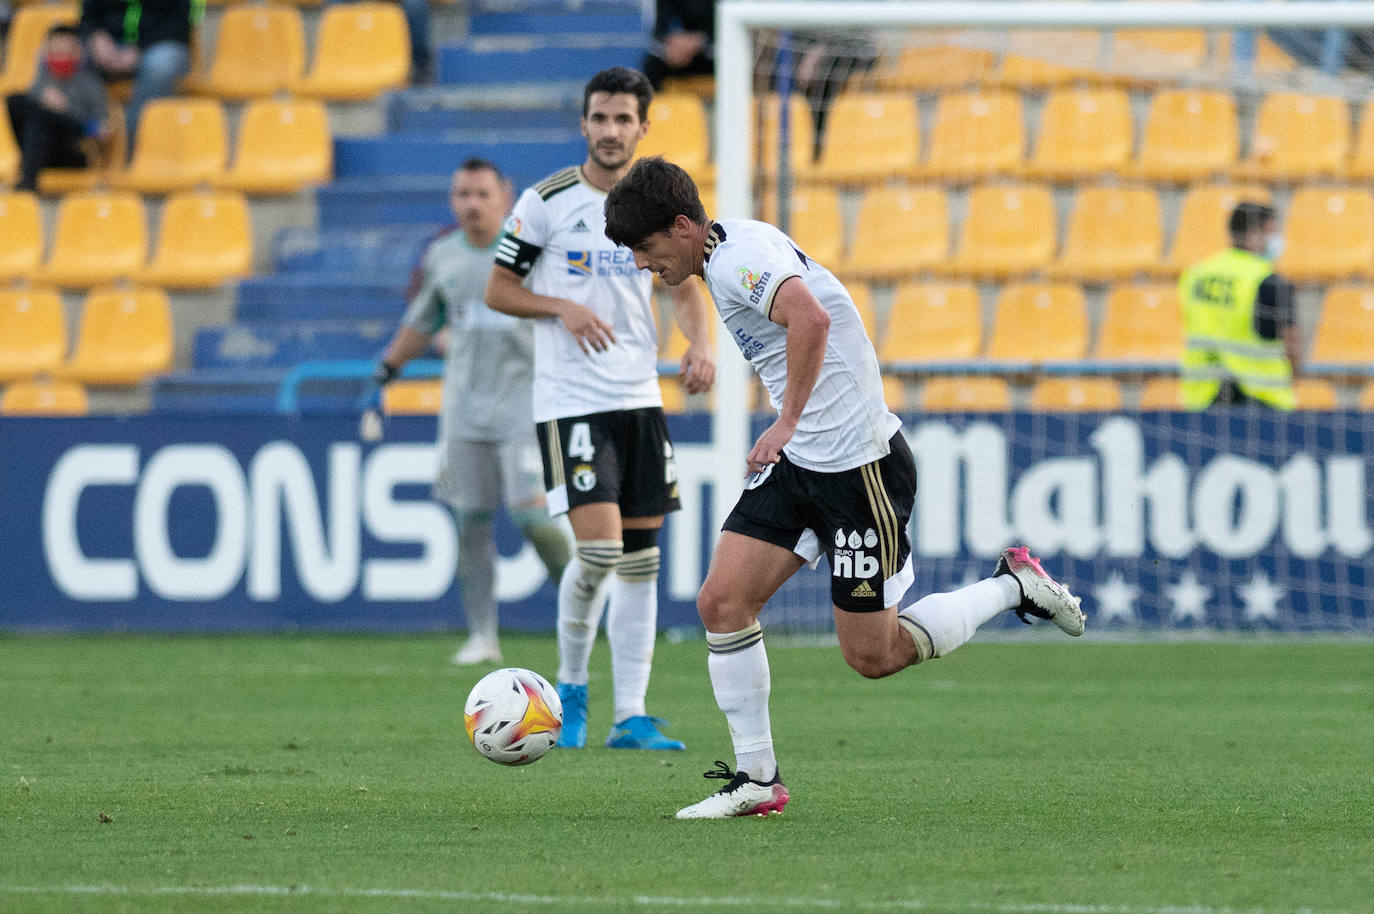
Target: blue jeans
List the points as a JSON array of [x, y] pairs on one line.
[[160, 68]]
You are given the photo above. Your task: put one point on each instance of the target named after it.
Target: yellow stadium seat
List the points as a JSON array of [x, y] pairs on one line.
[[283, 147], [933, 322], [1298, 137], [972, 394], [1009, 230], [9, 150], [1345, 330], [21, 227], [413, 398], [817, 224], [894, 393], [801, 131], [1146, 55], [259, 50], [33, 332], [899, 232], [1142, 324], [1366, 401], [1315, 394], [28, 29], [362, 50], [1202, 223], [674, 395], [976, 135], [1164, 394], [101, 236], [1190, 134], [869, 137], [124, 336], [206, 239], [1269, 56], [680, 133], [1114, 233], [862, 295], [1329, 235], [1040, 322], [181, 142], [1021, 71], [44, 398], [1056, 394], [1362, 159], [1084, 132], [934, 68]]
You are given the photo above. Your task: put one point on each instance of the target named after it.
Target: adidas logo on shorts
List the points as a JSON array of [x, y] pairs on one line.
[[863, 590]]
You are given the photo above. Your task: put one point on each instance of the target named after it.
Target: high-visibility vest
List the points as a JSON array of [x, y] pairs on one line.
[[1218, 297]]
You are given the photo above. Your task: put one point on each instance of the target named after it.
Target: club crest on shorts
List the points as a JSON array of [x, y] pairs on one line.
[[583, 477]]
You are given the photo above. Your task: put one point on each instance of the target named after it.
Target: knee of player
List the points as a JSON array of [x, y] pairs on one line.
[[869, 664], [722, 609]]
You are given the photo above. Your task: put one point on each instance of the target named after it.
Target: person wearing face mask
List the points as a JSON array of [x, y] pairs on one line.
[[1242, 343], [64, 108], [148, 41]]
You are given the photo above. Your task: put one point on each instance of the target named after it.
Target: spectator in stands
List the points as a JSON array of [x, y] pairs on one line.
[[683, 38], [148, 42], [421, 54], [64, 110], [1242, 341], [488, 454]]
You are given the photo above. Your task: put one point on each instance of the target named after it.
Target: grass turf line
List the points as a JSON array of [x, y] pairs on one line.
[[1006, 777]]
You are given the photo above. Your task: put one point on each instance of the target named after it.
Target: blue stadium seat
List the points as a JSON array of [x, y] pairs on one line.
[[417, 153], [320, 296], [497, 65], [276, 345]]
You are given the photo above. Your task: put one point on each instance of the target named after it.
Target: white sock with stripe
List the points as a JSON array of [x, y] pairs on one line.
[[941, 622], [631, 624], [579, 606], [740, 678]]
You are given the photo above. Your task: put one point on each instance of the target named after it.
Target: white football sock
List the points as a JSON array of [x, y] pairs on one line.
[[580, 606], [631, 624], [739, 676], [950, 619]]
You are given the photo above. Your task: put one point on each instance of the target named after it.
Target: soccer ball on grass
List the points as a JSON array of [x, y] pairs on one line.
[[513, 716]]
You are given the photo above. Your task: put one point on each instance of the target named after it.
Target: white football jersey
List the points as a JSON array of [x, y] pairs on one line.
[[845, 423], [556, 238]]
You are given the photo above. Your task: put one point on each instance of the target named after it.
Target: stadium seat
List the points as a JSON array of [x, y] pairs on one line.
[[894, 393], [1145, 56], [1366, 400], [1021, 71], [21, 227], [1084, 132], [181, 142], [44, 398], [976, 135], [283, 147], [1114, 233], [206, 238], [1163, 393], [1329, 235], [362, 49], [862, 294], [1345, 329], [1362, 158], [1060, 394], [124, 336], [33, 332], [1040, 322], [9, 150], [1190, 134], [817, 224], [898, 232], [1142, 324], [24, 40], [681, 134], [869, 137], [921, 68], [933, 322], [413, 398], [101, 236], [972, 394], [1297, 137], [674, 395], [1202, 223], [259, 50], [1315, 394], [801, 128], [1009, 230]]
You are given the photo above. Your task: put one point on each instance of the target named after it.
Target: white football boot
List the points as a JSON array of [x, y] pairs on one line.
[[740, 797], [1041, 595], [477, 650]]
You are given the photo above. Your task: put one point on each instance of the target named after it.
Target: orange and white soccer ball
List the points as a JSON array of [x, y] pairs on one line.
[[513, 716]]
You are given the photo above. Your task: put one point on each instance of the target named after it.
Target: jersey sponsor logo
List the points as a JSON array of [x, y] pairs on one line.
[[581, 226], [748, 279], [748, 346], [579, 263], [755, 283], [602, 263], [851, 561], [513, 225], [583, 477]]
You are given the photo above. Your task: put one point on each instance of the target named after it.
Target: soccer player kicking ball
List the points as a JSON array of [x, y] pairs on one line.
[[831, 475]]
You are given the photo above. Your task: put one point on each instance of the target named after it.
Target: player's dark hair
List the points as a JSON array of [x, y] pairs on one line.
[[648, 199], [1248, 216], [617, 80], [64, 28], [479, 164]]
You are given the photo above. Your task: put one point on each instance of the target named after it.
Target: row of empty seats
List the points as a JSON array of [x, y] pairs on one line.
[[361, 50], [206, 238], [124, 336]]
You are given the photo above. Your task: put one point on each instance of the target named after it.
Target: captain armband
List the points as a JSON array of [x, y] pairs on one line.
[[516, 255]]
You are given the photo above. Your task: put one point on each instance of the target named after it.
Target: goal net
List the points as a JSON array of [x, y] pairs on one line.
[[1011, 190]]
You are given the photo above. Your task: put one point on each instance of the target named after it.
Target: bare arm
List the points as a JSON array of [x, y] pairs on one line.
[[808, 329], [507, 294], [404, 346], [1292, 347], [693, 315]]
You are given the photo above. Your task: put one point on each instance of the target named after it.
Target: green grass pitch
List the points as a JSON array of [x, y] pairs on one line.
[[331, 773]]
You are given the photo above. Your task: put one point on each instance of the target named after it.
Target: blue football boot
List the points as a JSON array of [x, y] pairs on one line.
[[574, 699], [641, 732]]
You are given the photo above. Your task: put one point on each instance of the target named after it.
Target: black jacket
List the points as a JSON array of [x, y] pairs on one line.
[[142, 22]]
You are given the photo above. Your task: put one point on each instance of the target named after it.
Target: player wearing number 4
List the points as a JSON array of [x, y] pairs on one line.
[[831, 475], [608, 461]]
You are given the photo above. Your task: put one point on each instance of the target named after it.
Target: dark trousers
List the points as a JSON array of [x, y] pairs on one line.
[[657, 69], [46, 139]]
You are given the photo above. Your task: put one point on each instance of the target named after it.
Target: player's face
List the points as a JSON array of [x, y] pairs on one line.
[[667, 255], [613, 128], [479, 201]]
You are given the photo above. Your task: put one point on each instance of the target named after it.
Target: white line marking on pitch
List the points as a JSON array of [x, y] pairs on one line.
[[648, 901]]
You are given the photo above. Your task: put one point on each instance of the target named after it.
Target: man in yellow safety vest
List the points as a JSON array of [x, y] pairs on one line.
[[1241, 338]]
